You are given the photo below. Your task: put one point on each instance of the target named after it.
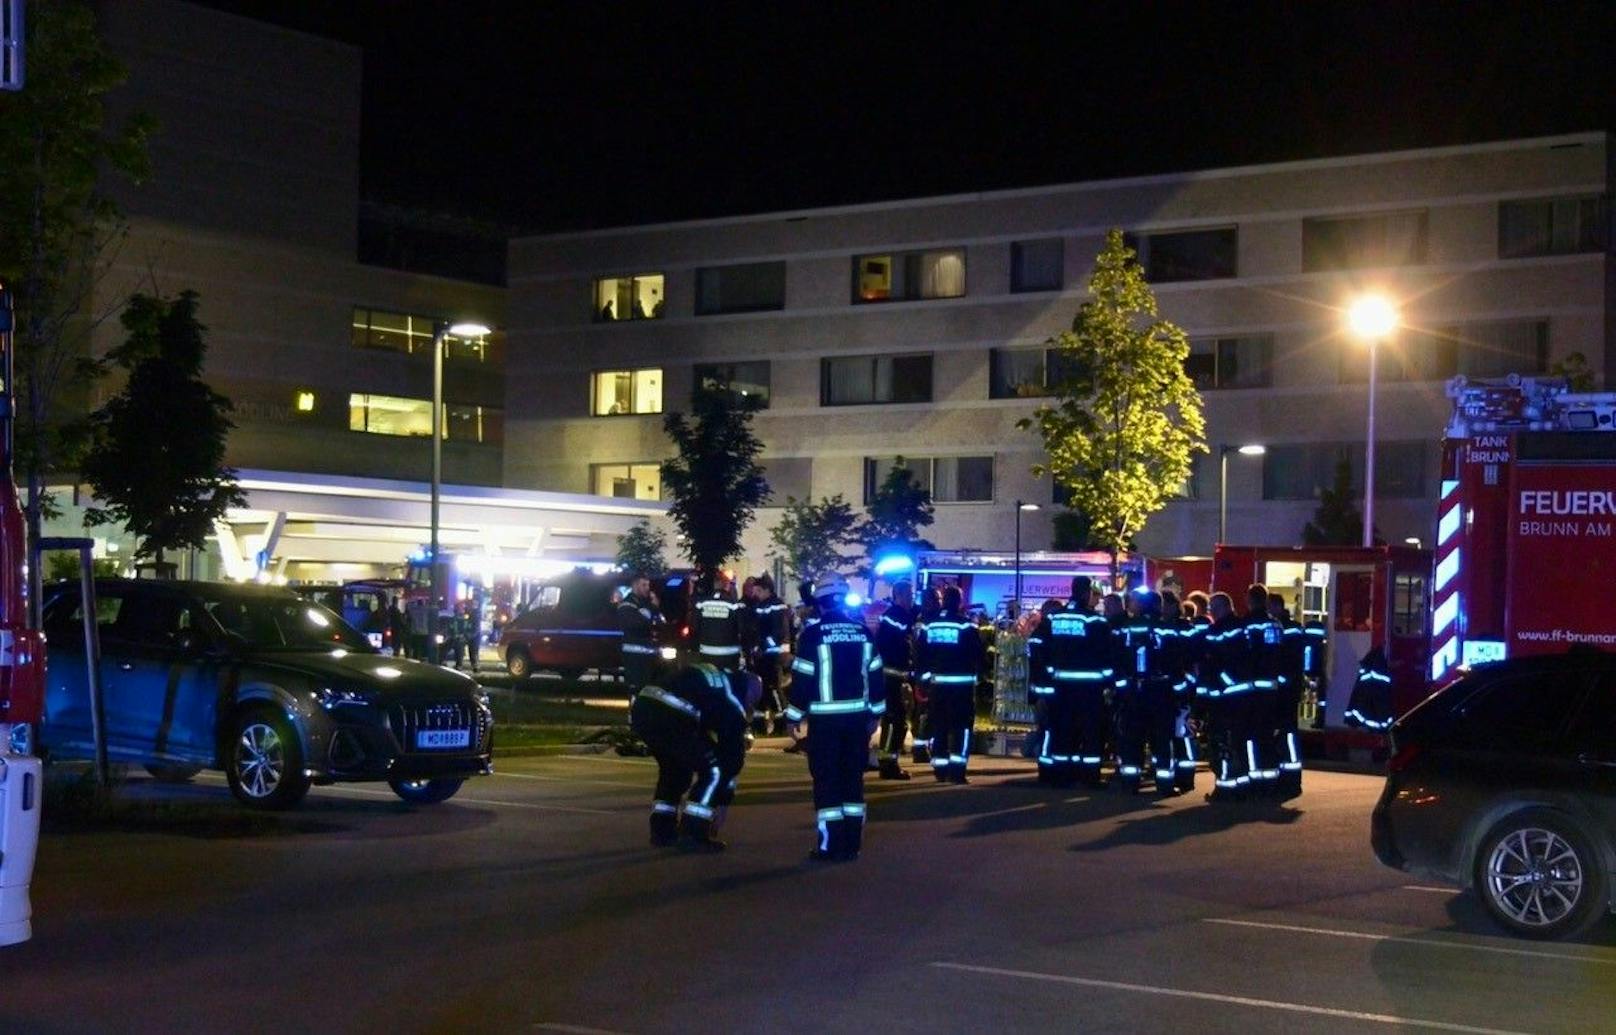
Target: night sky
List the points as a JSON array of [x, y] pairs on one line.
[[550, 116]]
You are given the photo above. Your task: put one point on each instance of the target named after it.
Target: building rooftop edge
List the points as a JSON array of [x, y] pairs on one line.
[[1222, 172]]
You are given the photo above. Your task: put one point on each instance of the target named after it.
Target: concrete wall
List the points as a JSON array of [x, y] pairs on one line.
[[555, 345]]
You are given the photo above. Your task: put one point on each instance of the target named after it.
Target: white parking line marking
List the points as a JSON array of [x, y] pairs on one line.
[[1433, 890], [1236, 1000], [1437, 943]]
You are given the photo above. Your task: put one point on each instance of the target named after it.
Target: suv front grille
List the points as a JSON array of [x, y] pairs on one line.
[[407, 721]]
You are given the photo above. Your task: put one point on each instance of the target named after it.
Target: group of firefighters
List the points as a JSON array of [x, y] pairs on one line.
[[1142, 679]]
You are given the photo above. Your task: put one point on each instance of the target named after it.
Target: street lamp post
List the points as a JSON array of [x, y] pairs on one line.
[[1020, 506], [1371, 318], [441, 332], [1250, 449]]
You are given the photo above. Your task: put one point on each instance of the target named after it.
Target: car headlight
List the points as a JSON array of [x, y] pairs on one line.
[[669, 653], [328, 697]]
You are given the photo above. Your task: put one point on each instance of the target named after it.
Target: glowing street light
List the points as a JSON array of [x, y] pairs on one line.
[[1020, 506], [444, 328], [1371, 318], [1249, 449]]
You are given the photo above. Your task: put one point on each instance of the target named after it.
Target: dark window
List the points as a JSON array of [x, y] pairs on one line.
[[748, 288], [1188, 254], [897, 276], [856, 380], [949, 479], [1521, 714], [1552, 226], [746, 381], [1037, 265], [1359, 242], [1491, 349], [1027, 373], [1244, 362], [1408, 605], [1300, 471]]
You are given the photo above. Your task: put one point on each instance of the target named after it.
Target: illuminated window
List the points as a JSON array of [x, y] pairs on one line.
[[639, 297], [392, 415], [627, 481], [411, 334], [909, 275], [614, 392], [304, 402]]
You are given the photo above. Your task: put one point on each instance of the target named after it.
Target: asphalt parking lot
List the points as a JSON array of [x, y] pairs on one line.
[[532, 902]]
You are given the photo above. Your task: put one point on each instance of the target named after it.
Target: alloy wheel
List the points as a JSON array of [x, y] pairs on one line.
[[1534, 876], [260, 759]]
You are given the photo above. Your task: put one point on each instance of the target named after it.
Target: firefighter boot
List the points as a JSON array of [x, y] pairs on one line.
[[890, 770], [664, 825]]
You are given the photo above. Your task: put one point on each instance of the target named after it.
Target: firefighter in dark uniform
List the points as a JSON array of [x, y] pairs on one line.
[[948, 653], [1077, 667], [1370, 707], [832, 678], [721, 625], [1265, 642], [1222, 687], [931, 605], [1288, 699], [638, 618], [771, 638], [1134, 659], [695, 727], [1170, 720], [894, 643], [1041, 693]]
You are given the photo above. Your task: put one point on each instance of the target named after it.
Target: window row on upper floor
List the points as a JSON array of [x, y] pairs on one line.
[[1290, 472], [1492, 348], [411, 334], [1525, 229]]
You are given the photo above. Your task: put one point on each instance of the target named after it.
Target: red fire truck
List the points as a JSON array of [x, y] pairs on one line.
[[22, 681], [1526, 524]]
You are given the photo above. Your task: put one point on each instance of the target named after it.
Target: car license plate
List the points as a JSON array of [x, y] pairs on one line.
[[440, 739]]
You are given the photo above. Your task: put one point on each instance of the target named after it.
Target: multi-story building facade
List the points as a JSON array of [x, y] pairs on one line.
[[325, 350], [916, 328]]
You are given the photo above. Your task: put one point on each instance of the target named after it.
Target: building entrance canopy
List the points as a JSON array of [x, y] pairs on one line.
[[314, 527]]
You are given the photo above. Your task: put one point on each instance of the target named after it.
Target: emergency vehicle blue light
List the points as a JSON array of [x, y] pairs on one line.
[[853, 600], [893, 563], [420, 556]]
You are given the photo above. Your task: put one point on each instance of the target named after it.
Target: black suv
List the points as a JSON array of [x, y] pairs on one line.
[[275, 690], [1506, 782]]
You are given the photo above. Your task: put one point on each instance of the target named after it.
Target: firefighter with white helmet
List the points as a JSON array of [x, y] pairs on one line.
[[836, 685]]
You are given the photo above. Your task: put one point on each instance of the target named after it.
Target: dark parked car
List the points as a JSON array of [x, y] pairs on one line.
[[572, 626], [275, 690], [1505, 782]]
